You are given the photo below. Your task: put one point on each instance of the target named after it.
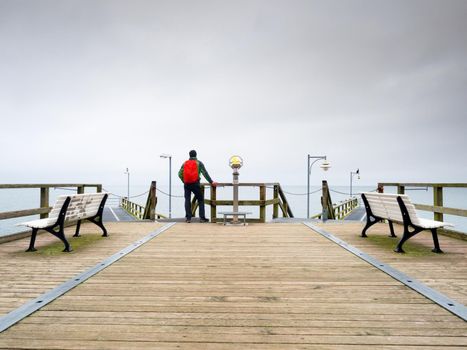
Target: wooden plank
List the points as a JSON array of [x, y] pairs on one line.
[[47, 185], [424, 184], [262, 286], [25, 212], [443, 210]]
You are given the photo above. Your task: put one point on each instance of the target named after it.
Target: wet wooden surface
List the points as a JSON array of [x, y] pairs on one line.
[[263, 286]]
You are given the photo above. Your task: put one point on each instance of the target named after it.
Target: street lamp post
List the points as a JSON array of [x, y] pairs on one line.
[[325, 166], [128, 183], [169, 156], [352, 173]]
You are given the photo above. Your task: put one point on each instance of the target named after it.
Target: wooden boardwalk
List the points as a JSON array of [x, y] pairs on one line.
[[447, 273], [206, 286]]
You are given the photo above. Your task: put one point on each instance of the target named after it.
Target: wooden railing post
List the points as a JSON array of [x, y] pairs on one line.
[[213, 204], [99, 188], [80, 190], [262, 207], [438, 201], [44, 201], [275, 207], [400, 189], [149, 212]]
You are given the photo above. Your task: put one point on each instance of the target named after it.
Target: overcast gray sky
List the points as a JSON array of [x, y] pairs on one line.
[[88, 88]]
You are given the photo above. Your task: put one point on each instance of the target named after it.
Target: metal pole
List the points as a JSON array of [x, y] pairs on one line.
[[308, 188], [235, 196], [128, 183], [170, 187]]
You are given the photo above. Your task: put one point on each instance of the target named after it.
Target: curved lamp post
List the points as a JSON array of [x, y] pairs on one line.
[[325, 166], [169, 156], [352, 173], [127, 172]]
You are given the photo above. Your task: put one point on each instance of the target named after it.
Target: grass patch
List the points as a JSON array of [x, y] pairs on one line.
[[77, 244], [411, 248]]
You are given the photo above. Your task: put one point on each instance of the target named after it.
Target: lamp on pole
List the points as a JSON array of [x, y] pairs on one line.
[[127, 172], [325, 166], [235, 163], [169, 156], [352, 173]]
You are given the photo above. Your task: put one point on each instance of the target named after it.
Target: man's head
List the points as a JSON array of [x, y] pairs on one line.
[[192, 153]]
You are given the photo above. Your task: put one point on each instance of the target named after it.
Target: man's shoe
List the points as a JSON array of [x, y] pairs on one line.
[[187, 221], [204, 220]]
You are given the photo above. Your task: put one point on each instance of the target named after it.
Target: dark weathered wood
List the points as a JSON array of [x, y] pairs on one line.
[[213, 204], [401, 189], [151, 201], [80, 190], [26, 212], [275, 208], [438, 202], [326, 201], [44, 201], [286, 206], [262, 207]]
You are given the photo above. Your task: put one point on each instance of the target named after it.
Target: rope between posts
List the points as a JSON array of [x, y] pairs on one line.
[[294, 194], [348, 193], [118, 196], [169, 195]]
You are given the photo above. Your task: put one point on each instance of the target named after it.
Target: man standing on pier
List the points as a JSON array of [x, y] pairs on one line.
[[190, 175]]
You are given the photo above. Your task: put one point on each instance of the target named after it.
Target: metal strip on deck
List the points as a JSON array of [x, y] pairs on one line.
[[27, 309], [442, 300]]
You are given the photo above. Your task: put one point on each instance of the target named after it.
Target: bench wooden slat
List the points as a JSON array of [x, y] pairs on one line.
[[75, 207], [398, 208]]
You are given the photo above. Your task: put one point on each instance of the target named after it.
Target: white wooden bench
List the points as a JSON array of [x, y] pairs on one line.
[[398, 208], [68, 208]]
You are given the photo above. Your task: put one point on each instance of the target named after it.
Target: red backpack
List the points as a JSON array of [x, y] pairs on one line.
[[190, 172]]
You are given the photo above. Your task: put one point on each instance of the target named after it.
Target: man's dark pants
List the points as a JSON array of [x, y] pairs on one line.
[[196, 189]]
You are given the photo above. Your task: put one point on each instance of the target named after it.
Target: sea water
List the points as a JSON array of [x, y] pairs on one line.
[[20, 199]]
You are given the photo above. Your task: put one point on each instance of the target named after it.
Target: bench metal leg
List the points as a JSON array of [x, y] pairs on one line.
[[33, 240], [436, 249], [369, 223], [391, 227], [60, 234], [407, 234], [78, 226], [97, 220]]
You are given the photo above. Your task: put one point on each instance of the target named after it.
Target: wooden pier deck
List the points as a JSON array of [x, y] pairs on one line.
[[207, 286]]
